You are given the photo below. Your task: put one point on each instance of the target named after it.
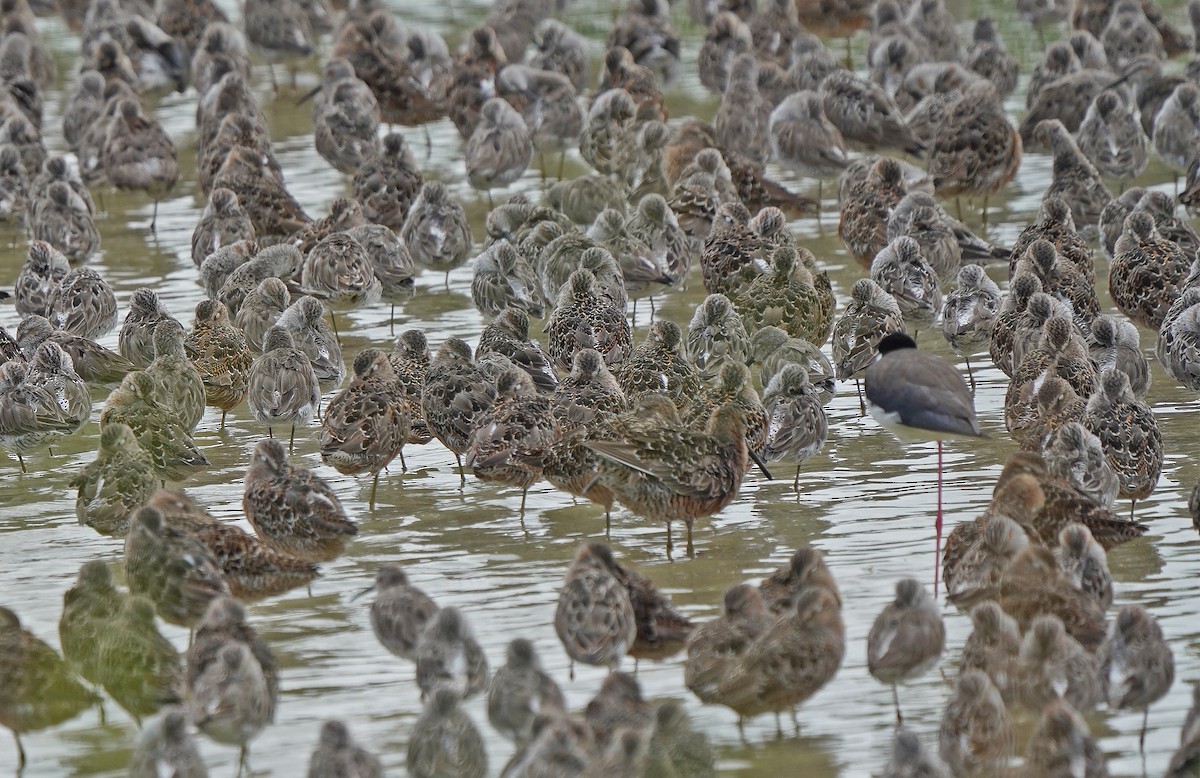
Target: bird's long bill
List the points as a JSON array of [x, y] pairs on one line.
[[310, 95], [368, 590], [761, 465]]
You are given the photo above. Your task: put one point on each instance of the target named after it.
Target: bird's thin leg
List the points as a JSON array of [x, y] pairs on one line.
[[862, 405], [292, 440], [970, 375], [796, 483], [691, 550], [374, 487], [937, 553], [896, 702], [20, 753], [461, 474]]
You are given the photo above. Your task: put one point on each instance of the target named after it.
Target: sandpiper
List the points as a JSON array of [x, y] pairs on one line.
[[232, 678], [338, 754], [520, 691], [365, 425], [39, 689], [444, 740], [594, 617], [171, 568], [906, 639], [449, 657], [116, 483]]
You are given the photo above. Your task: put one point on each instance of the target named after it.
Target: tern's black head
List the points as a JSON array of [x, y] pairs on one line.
[[895, 341]]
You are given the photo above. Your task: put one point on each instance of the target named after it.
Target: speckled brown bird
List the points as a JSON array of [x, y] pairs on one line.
[[907, 638], [365, 425], [39, 689], [866, 210], [251, 569], [221, 354], [512, 438], [293, 510], [114, 484], [583, 319], [1147, 272], [171, 568], [678, 474], [594, 617], [1129, 433], [456, 393], [791, 660]]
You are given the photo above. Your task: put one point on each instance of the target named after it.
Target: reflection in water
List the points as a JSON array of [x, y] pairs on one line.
[[867, 501]]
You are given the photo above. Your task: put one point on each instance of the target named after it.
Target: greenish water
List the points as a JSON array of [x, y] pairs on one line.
[[866, 501]]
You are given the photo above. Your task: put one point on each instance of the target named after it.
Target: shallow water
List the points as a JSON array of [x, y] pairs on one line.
[[867, 501]]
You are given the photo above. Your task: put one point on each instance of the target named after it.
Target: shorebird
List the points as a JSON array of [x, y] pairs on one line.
[[161, 434], [1074, 454], [1129, 433], [1062, 741], [910, 757], [1115, 343], [1112, 139], [304, 319], [508, 335], [512, 439], [791, 660], [116, 483], [520, 691], [232, 678], [83, 304], [171, 568], [220, 353], [594, 617], [166, 744], [871, 315], [797, 423], [502, 278], [39, 690], [1136, 663], [500, 147], [976, 732], [907, 638], [920, 396], [992, 647], [436, 231], [135, 340], [456, 393], [1075, 179], [584, 318], [717, 647], [41, 274], [222, 223], [93, 362], [449, 657], [1147, 272], [387, 182], [140, 155], [179, 385], [260, 311], [252, 570], [1053, 666], [400, 611], [337, 754], [444, 740], [365, 425], [293, 510]]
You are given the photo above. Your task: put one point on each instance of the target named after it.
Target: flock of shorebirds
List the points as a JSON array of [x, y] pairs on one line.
[[667, 427]]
